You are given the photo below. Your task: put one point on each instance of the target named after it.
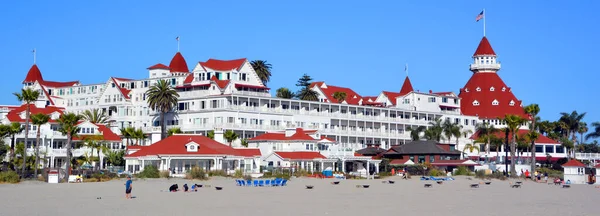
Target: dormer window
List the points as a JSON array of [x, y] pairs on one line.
[[192, 147], [503, 88], [466, 90], [475, 103], [478, 89], [495, 102], [512, 103], [492, 88]]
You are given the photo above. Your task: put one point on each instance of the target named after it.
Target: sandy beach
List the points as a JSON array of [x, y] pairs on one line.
[[403, 197]]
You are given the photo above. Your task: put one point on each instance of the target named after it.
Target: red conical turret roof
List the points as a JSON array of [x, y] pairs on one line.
[[178, 64], [406, 87], [484, 48], [33, 75], [485, 95]]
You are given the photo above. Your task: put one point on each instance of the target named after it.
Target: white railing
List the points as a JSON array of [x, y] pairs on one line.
[[587, 156], [192, 94], [251, 93]]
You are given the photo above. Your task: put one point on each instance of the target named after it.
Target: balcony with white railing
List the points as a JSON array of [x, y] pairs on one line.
[[62, 152], [587, 156]]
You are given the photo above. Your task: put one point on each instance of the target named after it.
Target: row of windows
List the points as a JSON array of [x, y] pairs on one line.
[[495, 103], [222, 76], [491, 89], [75, 90]]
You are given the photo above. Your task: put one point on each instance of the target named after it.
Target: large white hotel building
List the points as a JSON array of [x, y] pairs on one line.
[[228, 94]]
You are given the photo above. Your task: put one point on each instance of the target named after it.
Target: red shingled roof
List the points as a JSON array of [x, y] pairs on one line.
[[300, 155], [107, 134], [14, 115], [486, 97], [392, 96], [58, 84], [178, 64], [351, 96], [33, 74], [159, 66], [248, 152], [189, 79], [484, 48], [500, 134], [300, 135], [176, 145], [124, 91], [223, 65], [221, 83], [406, 87], [573, 163]]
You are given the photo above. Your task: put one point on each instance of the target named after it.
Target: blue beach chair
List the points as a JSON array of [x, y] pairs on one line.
[[248, 183], [261, 183], [284, 182], [255, 183], [268, 182]]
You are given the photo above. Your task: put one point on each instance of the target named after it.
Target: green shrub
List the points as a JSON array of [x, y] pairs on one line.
[[217, 173], [165, 174], [436, 172], [238, 173], [196, 173], [247, 177], [9, 177], [480, 174], [462, 170], [149, 172], [301, 173]]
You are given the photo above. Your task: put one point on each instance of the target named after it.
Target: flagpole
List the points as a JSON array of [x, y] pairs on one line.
[[177, 43], [406, 69], [484, 15], [34, 57]]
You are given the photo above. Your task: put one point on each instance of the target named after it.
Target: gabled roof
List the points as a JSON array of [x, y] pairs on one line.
[[249, 152], [54, 84], [106, 133], [404, 161], [224, 65], [158, 66], [573, 163], [33, 74], [500, 134], [370, 151], [178, 64], [188, 79], [406, 87], [391, 96], [300, 155], [14, 115], [328, 90], [300, 135], [124, 91], [420, 147], [221, 83], [176, 145], [482, 103], [484, 48]]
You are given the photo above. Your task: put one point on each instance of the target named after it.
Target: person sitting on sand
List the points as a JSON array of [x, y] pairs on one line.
[[78, 178], [185, 188], [174, 188], [194, 188]]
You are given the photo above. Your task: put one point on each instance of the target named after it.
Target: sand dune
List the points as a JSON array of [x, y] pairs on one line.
[[404, 197]]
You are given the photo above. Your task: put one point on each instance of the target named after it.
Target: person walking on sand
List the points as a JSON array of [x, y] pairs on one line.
[[128, 188]]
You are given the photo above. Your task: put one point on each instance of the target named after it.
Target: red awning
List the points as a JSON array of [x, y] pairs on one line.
[[190, 86]]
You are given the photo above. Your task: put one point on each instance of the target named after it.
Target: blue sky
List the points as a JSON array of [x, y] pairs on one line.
[[548, 49]]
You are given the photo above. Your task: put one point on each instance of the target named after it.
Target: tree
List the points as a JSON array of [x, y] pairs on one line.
[[415, 132], [263, 70], [68, 127], [447, 127], [38, 119], [210, 134], [486, 133], [533, 110], [95, 116], [471, 147], [94, 142], [174, 130], [583, 128], [127, 133], [162, 98], [244, 142], [513, 122], [596, 133], [571, 122], [435, 130], [339, 96], [284, 93], [305, 93], [27, 96], [230, 136], [114, 158], [138, 134], [13, 129]]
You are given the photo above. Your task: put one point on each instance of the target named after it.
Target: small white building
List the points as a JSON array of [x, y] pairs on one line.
[[306, 160], [575, 172], [291, 139], [180, 152]]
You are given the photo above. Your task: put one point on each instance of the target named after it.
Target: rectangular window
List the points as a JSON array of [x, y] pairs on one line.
[[421, 158], [202, 105], [145, 85], [560, 149], [406, 101], [230, 120], [549, 149], [539, 148], [412, 158], [244, 76], [431, 158], [452, 147], [466, 121], [431, 99], [445, 100]]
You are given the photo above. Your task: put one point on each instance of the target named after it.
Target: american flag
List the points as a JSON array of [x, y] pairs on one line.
[[480, 16]]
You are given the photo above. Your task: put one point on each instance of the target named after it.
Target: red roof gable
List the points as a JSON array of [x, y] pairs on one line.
[[484, 48], [59, 84], [351, 96], [300, 135], [221, 83], [248, 152], [33, 74], [485, 97], [522, 132], [573, 163], [224, 65], [392, 96], [178, 64], [159, 66], [300, 155], [189, 79], [176, 145], [14, 115], [107, 134], [406, 87], [124, 91]]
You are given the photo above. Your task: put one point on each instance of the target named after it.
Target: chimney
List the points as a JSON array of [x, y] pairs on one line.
[[430, 92], [219, 135]]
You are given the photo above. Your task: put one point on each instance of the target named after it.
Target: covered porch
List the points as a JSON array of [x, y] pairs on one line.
[[362, 166], [178, 166]]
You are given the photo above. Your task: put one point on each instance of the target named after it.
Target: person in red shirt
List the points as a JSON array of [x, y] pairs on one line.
[[527, 174]]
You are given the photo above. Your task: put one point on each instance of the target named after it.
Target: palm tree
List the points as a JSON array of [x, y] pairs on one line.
[[486, 133], [244, 142], [230, 136], [583, 128], [38, 119], [571, 123], [471, 147], [339, 96], [95, 116], [138, 135], [162, 98], [128, 133], [14, 129], [513, 122], [497, 143], [284, 93], [435, 130], [210, 134], [262, 69], [533, 110], [415, 132], [308, 94], [447, 127], [596, 133], [68, 127], [28, 96], [94, 142], [174, 130]]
